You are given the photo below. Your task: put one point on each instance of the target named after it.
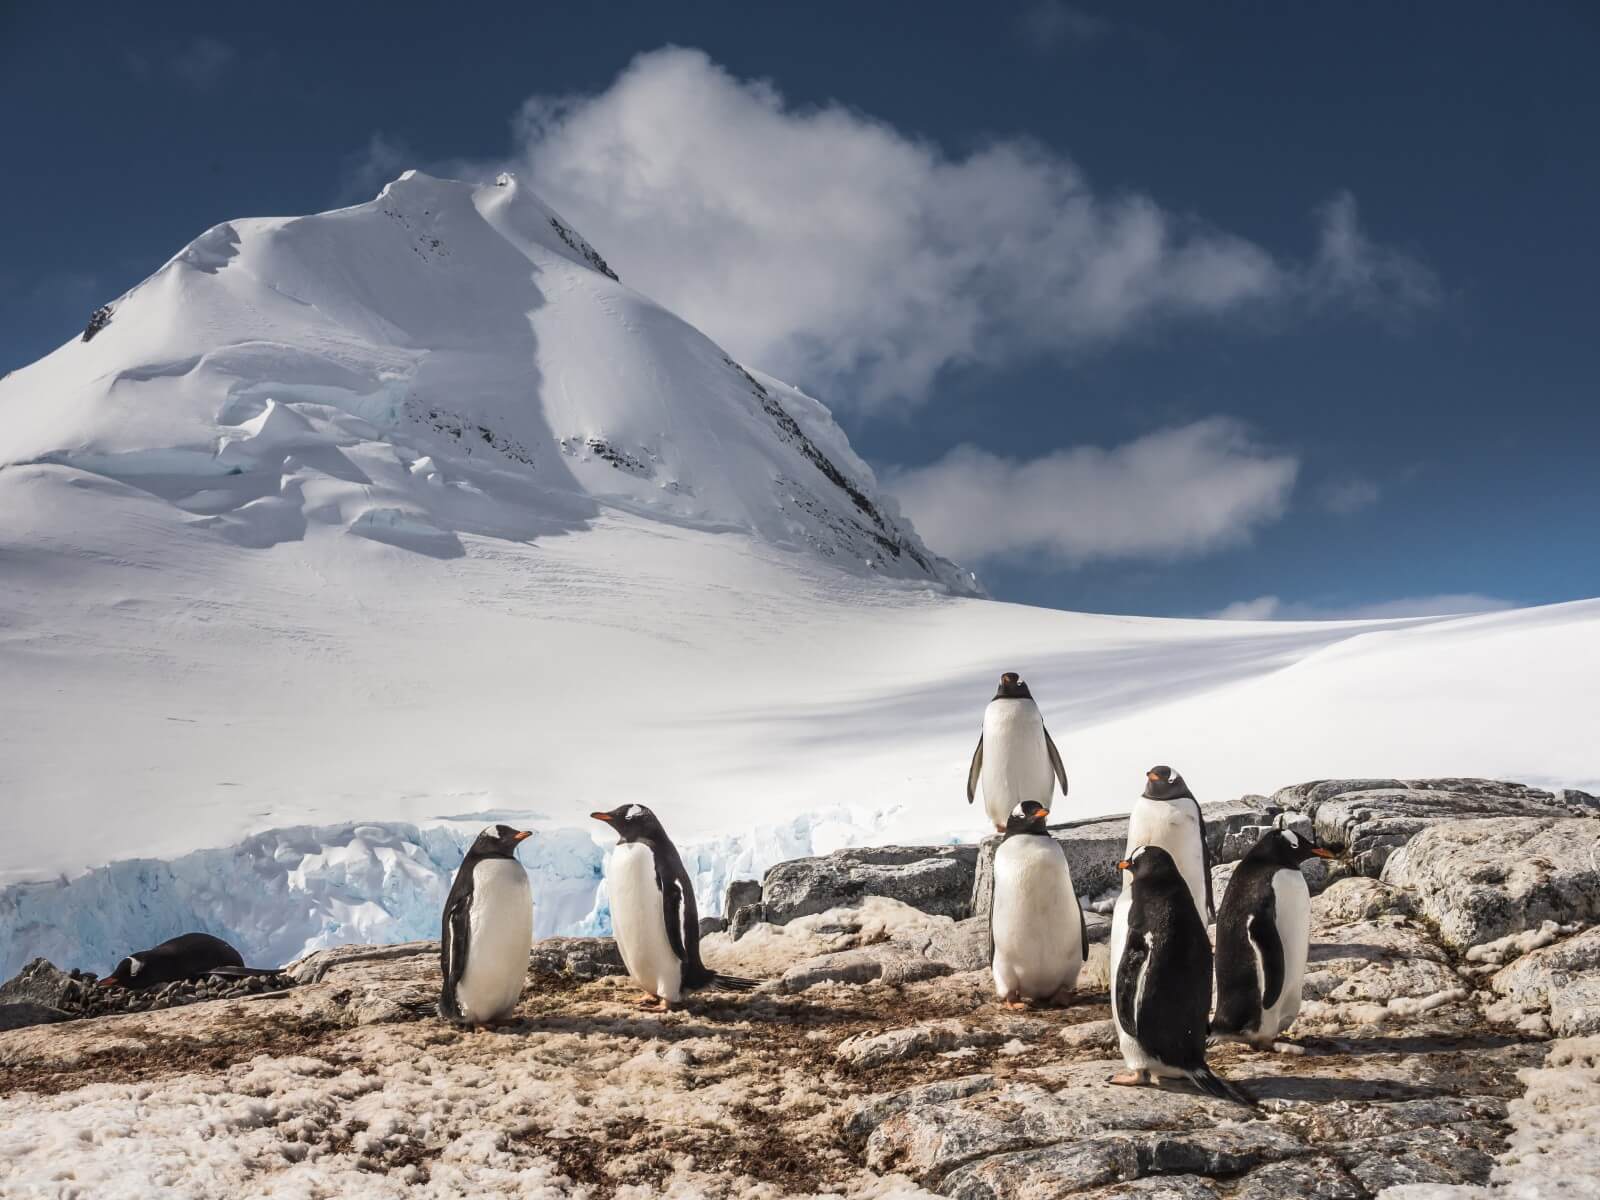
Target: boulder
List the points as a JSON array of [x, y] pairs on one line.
[[1358, 898], [580, 958], [41, 983], [1371, 818], [1560, 982], [19, 1014], [1479, 880], [740, 893], [934, 879]]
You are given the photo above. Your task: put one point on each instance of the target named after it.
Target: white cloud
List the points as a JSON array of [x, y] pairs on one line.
[[1170, 494], [1270, 608], [1344, 496], [1051, 24], [831, 248], [365, 172], [198, 62]]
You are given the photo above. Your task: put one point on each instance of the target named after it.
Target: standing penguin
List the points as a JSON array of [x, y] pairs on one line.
[[653, 911], [487, 931], [1168, 815], [1037, 935], [1161, 978], [1015, 758], [1263, 934]]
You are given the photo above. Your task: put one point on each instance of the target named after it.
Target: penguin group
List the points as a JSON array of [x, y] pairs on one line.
[[1163, 971]]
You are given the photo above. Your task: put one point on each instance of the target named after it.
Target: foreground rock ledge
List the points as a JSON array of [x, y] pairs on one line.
[[875, 1064]]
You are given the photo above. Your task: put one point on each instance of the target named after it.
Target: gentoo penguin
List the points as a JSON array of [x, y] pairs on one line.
[[1263, 933], [1168, 815], [653, 912], [487, 931], [187, 956], [1161, 978], [1037, 935], [1015, 758]]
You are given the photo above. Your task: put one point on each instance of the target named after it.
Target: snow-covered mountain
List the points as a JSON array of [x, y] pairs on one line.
[[342, 535], [447, 359]]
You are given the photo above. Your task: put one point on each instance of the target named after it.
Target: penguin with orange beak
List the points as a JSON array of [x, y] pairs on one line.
[[487, 931], [1263, 937]]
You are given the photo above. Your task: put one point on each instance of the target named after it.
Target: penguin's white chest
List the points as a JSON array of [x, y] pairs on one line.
[[638, 922], [1292, 903], [1016, 765], [499, 936], [1038, 931], [1175, 827]]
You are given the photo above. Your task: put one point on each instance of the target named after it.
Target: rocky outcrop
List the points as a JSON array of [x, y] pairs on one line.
[[1479, 880], [874, 1060], [933, 879]]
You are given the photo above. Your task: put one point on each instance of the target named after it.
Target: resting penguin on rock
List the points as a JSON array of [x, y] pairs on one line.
[[1263, 933], [1037, 935], [187, 956], [1015, 758], [1168, 815], [654, 916], [487, 931], [1161, 978]]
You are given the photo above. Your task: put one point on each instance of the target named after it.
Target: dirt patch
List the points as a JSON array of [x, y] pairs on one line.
[[163, 1055]]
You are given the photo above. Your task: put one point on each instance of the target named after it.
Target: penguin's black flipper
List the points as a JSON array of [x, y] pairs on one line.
[[1083, 933], [1212, 1084], [975, 770], [1135, 958], [453, 938], [1205, 863], [1264, 933], [1055, 761]]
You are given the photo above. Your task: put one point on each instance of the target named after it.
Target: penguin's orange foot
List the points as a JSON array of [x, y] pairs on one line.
[[651, 1002], [999, 828], [1130, 1079], [1017, 1004]]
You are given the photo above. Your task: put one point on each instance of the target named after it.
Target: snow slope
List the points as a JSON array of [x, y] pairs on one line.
[[349, 533]]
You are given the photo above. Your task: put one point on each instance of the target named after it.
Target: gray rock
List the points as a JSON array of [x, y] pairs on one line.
[[867, 1050], [315, 967], [1371, 818], [1358, 898], [710, 925], [873, 1111], [740, 893], [42, 983], [1091, 1035], [1322, 1178], [1460, 1153], [963, 946], [1481, 880], [1562, 981], [580, 958], [745, 919], [891, 966], [19, 1014], [933, 879]]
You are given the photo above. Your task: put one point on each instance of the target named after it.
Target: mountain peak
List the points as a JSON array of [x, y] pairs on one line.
[[447, 361]]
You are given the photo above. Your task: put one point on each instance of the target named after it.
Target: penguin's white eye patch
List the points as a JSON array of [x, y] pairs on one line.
[[634, 812], [134, 966], [1292, 838]]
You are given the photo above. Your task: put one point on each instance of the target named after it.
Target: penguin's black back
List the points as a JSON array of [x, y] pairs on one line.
[[455, 935], [1168, 944], [1249, 914], [187, 956]]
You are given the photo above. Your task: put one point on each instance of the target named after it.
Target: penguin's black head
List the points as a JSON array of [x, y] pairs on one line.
[[498, 841], [1012, 687], [1152, 864], [1163, 783], [125, 975], [631, 821], [1027, 817], [1287, 849]]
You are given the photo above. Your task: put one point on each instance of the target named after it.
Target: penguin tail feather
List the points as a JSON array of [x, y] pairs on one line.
[[1212, 1084], [244, 972], [731, 983]]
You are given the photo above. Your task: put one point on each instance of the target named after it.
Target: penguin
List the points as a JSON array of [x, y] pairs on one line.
[[1161, 978], [653, 912], [187, 956], [1038, 938], [1015, 758], [1168, 815], [486, 931], [1263, 934]]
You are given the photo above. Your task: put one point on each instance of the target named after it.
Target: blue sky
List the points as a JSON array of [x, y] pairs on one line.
[[1142, 308]]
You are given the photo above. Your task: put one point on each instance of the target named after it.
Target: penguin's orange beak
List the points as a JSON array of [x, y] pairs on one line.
[[108, 981], [520, 834], [1321, 853], [601, 816], [1125, 865]]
